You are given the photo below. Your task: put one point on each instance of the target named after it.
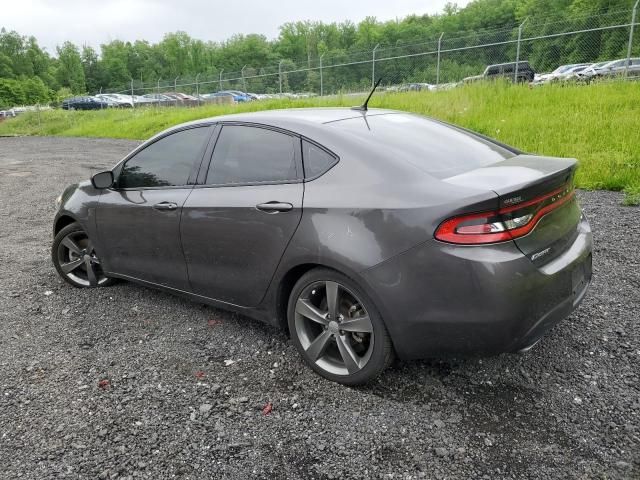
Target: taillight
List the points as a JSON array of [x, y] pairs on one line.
[[502, 225]]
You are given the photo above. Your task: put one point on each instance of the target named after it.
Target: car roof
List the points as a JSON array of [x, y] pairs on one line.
[[304, 121], [507, 63]]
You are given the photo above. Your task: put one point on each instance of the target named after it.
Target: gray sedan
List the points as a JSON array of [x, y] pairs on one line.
[[366, 234]]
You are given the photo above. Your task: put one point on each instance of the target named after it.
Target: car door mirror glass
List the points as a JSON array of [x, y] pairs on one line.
[[102, 180]]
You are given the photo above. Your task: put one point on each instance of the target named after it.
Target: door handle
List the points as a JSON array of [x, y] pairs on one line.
[[274, 207], [165, 206]]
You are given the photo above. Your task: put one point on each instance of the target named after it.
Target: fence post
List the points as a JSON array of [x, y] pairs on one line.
[[438, 64], [244, 82], [175, 83], [280, 75], [198, 88], [515, 70], [321, 85], [158, 90], [220, 77], [133, 103], [633, 24], [373, 66]]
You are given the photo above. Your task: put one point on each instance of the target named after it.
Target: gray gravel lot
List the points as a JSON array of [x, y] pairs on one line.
[[128, 382]]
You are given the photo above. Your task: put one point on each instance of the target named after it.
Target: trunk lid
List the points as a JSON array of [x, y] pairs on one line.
[[537, 186]]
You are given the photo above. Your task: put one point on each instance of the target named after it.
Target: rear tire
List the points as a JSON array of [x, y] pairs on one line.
[[75, 259], [337, 329]]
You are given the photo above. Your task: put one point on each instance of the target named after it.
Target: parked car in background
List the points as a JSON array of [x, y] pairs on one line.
[[84, 103], [218, 98], [573, 73], [615, 68], [589, 71], [142, 100], [238, 95], [506, 71], [159, 98], [181, 96], [209, 96], [108, 100], [116, 99], [544, 76], [559, 73]]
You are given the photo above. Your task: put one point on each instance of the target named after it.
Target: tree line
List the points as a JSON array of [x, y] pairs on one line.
[[29, 74]]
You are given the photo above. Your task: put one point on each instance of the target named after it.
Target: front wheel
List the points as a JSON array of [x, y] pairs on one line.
[[75, 258], [337, 329]]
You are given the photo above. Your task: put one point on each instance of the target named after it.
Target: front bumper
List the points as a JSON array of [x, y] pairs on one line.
[[439, 299]]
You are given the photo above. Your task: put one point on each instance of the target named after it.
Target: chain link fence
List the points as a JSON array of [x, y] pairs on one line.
[[440, 62]]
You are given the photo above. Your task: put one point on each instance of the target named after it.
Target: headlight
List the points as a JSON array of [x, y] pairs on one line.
[[58, 201]]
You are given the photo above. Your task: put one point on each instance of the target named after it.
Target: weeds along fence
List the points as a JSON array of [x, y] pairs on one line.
[[442, 60]]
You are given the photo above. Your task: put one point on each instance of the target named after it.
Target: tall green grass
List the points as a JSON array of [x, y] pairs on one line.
[[597, 124]]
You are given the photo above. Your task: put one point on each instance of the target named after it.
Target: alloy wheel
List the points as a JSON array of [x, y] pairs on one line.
[[333, 327], [77, 260]]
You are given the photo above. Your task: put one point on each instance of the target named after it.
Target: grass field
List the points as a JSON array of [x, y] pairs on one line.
[[597, 124]]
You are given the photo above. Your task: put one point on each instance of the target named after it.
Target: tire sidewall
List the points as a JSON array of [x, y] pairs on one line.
[[378, 361]]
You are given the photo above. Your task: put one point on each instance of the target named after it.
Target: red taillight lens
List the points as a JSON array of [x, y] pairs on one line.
[[504, 224]]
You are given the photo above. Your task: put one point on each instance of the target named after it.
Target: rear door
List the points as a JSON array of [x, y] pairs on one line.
[[139, 220], [237, 224]]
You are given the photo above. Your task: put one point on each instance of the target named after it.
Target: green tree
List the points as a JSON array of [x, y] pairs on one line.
[[70, 72]]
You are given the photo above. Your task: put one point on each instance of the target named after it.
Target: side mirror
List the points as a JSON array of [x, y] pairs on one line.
[[102, 180]]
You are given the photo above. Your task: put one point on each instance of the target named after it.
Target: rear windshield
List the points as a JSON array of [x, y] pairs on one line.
[[436, 148]]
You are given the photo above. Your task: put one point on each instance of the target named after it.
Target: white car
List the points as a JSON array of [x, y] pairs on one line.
[[118, 99], [557, 74], [589, 71]]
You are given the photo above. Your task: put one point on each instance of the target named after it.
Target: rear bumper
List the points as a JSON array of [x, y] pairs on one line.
[[439, 299]]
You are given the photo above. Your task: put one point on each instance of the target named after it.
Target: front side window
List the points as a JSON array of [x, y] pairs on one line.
[[252, 155], [165, 163]]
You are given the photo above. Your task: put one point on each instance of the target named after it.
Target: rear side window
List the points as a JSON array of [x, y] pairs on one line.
[[165, 163], [316, 160], [252, 155]]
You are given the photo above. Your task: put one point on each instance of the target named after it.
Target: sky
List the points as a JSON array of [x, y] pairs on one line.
[[92, 22]]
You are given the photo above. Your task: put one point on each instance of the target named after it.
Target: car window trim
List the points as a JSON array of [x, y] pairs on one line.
[[194, 168], [297, 153]]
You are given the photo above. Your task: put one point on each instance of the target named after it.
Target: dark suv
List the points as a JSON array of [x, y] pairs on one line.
[[506, 70]]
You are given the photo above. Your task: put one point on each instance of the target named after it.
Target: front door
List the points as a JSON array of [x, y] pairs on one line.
[[139, 219], [236, 227]]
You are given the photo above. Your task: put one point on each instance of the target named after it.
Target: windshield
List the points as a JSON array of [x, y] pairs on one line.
[[562, 68]]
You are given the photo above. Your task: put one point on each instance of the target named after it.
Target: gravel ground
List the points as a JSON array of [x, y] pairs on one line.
[[128, 382]]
